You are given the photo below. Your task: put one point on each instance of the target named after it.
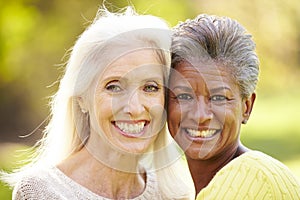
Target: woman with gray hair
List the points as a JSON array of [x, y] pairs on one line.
[[107, 135], [211, 94]]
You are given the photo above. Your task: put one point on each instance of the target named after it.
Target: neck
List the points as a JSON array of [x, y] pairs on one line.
[[101, 179], [203, 171], [113, 158]]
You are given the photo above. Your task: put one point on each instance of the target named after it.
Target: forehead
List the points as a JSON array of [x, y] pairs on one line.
[[204, 69], [136, 64], [208, 73]]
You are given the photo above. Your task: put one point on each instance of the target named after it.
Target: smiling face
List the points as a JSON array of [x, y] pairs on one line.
[[205, 110], [129, 102]]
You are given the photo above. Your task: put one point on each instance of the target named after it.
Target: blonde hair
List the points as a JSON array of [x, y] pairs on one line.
[[68, 129]]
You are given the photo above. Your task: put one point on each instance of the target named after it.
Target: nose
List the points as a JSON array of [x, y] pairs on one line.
[[134, 104], [201, 111]]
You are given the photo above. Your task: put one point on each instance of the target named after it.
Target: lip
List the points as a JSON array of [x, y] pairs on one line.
[[128, 123], [211, 134]]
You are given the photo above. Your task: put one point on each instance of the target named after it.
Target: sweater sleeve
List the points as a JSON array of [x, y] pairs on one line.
[[253, 177], [31, 188]]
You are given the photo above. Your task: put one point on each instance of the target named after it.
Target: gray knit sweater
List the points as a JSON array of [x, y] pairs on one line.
[[53, 184]]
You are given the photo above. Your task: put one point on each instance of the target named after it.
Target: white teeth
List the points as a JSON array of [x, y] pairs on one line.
[[203, 134], [130, 128]]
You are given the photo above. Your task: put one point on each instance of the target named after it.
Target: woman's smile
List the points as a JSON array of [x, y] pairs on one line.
[[208, 133], [131, 128]]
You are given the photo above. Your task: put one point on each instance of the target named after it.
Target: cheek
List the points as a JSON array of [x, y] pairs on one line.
[[234, 113], [155, 106], [221, 113], [228, 116], [160, 100], [103, 108], [179, 111], [155, 109], [174, 117]]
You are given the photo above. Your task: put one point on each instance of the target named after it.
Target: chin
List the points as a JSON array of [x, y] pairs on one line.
[[198, 153], [137, 148]]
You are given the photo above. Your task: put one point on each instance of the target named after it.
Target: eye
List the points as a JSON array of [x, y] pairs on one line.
[[218, 98], [113, 87], [184, 96], [151, 88]]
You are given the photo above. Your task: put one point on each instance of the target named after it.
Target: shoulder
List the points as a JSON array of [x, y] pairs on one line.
[[254, 175], [35, 184], [272, 170]]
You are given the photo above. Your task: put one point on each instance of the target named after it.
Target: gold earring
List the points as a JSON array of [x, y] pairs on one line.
[[83, 111]]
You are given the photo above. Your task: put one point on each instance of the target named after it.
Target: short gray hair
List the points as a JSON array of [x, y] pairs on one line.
[[221, 40]]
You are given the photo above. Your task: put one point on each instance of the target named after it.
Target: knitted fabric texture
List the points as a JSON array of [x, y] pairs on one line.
[[53, 184], [252, 176]]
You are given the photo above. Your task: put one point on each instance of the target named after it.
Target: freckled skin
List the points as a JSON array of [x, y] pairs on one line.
[[201, 97]]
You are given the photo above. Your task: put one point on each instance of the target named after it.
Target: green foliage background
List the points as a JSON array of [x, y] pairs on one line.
[[35, 34]]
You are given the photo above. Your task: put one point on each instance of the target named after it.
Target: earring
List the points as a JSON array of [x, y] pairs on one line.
[[83, 111]]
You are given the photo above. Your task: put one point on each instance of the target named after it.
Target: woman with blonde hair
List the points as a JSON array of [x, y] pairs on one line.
[[107, 135]]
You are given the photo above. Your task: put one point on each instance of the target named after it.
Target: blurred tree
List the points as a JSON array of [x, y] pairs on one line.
[[35, 34]]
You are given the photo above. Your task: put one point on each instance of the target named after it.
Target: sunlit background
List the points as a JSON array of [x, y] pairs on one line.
[[35, 34]]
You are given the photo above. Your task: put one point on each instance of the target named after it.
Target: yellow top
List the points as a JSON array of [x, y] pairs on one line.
[[252, 176]]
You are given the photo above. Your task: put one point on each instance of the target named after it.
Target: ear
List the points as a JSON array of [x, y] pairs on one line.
[[248, 105], [82, 104]]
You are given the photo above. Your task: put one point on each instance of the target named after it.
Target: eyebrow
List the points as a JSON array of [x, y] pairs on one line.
[[147, 79], [185, 88], [110, 78], [219, 89]]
